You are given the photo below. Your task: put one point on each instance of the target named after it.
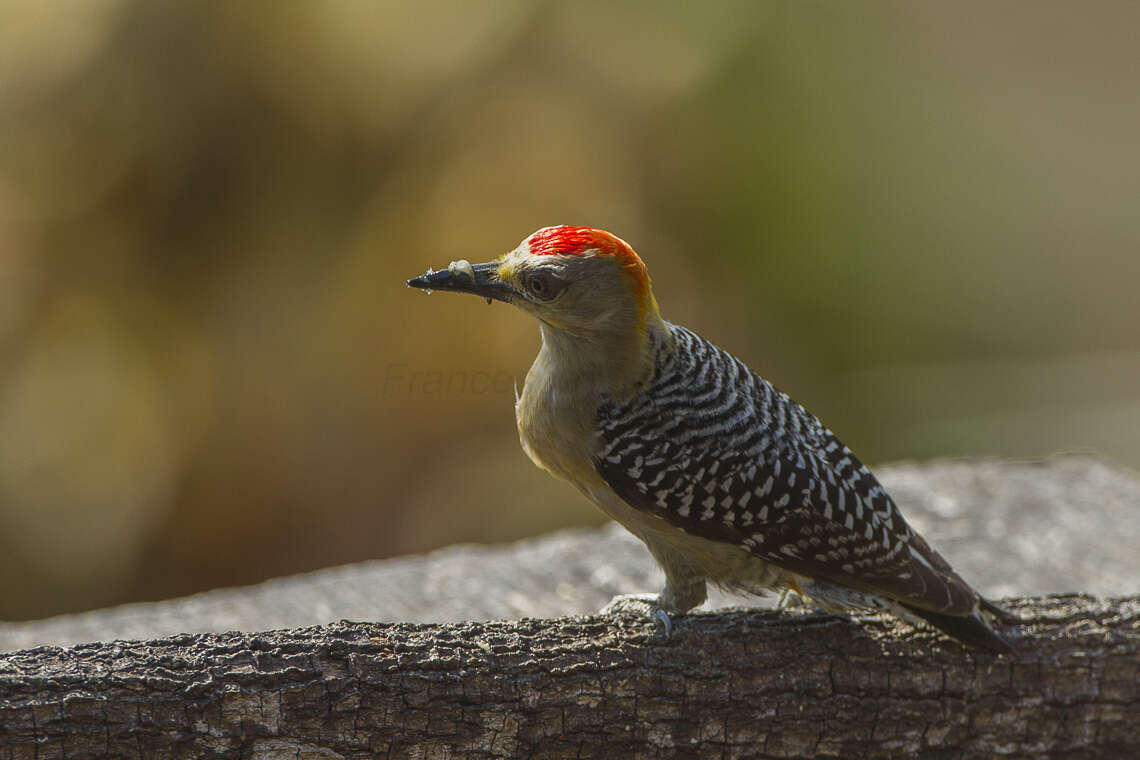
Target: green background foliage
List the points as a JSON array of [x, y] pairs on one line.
[[920, 219]]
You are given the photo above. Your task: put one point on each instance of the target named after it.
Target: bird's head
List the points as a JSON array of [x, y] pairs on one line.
[[580, 281]]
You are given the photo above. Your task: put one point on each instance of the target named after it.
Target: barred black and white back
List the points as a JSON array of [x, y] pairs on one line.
[[718, 452]]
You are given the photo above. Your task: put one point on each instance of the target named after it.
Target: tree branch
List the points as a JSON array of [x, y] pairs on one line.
[[733, 684]]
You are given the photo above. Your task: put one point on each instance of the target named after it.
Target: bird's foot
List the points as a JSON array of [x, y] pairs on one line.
[[644, 605], [792, 602]]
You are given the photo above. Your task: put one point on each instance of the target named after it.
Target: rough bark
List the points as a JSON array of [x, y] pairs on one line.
[[727, 685], [738, 684]]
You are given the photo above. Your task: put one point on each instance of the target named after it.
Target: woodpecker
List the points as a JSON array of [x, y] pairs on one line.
[[723, 476]]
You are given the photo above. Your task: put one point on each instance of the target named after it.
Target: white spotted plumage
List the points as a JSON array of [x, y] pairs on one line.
[[763, 473]]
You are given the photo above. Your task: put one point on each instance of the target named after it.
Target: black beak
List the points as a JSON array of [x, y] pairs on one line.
[[479, 279]]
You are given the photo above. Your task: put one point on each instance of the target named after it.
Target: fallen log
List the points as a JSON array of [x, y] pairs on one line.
[[734, 684]]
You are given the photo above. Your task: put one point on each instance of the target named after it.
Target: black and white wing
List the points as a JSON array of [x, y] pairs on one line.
[[717, 451]]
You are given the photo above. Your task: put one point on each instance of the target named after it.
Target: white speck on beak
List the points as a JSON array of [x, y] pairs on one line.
[[462, 267], [428, 273]]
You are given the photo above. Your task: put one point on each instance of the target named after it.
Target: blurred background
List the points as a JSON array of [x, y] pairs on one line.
[[921, 220]]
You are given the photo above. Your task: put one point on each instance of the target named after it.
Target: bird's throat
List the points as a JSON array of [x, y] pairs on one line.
[[571, 376], [602, 364]]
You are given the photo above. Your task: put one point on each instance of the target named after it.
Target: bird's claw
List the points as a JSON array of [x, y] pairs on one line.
[[792, 602], [641, 604]]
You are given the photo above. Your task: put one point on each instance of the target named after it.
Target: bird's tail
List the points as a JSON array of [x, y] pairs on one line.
[[999, 613], [971, 629]]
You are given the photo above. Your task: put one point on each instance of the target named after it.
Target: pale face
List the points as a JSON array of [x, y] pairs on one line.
[[584, 294]]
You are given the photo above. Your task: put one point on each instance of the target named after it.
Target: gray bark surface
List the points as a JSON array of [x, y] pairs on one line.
[[1066, 524], [739, 684], [743, 684]]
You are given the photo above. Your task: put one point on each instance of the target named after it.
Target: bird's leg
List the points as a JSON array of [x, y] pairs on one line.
[[683, 591], [794, 602]]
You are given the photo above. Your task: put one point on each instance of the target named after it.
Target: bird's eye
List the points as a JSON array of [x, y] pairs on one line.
[[543, 285]]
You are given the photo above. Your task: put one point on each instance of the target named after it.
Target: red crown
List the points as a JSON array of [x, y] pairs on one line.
[[575, 241]]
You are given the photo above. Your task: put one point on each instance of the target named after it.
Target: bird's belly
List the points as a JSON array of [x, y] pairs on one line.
[[727, 565]]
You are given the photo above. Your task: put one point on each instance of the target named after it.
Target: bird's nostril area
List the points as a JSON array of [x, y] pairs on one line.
[[462, 268]]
